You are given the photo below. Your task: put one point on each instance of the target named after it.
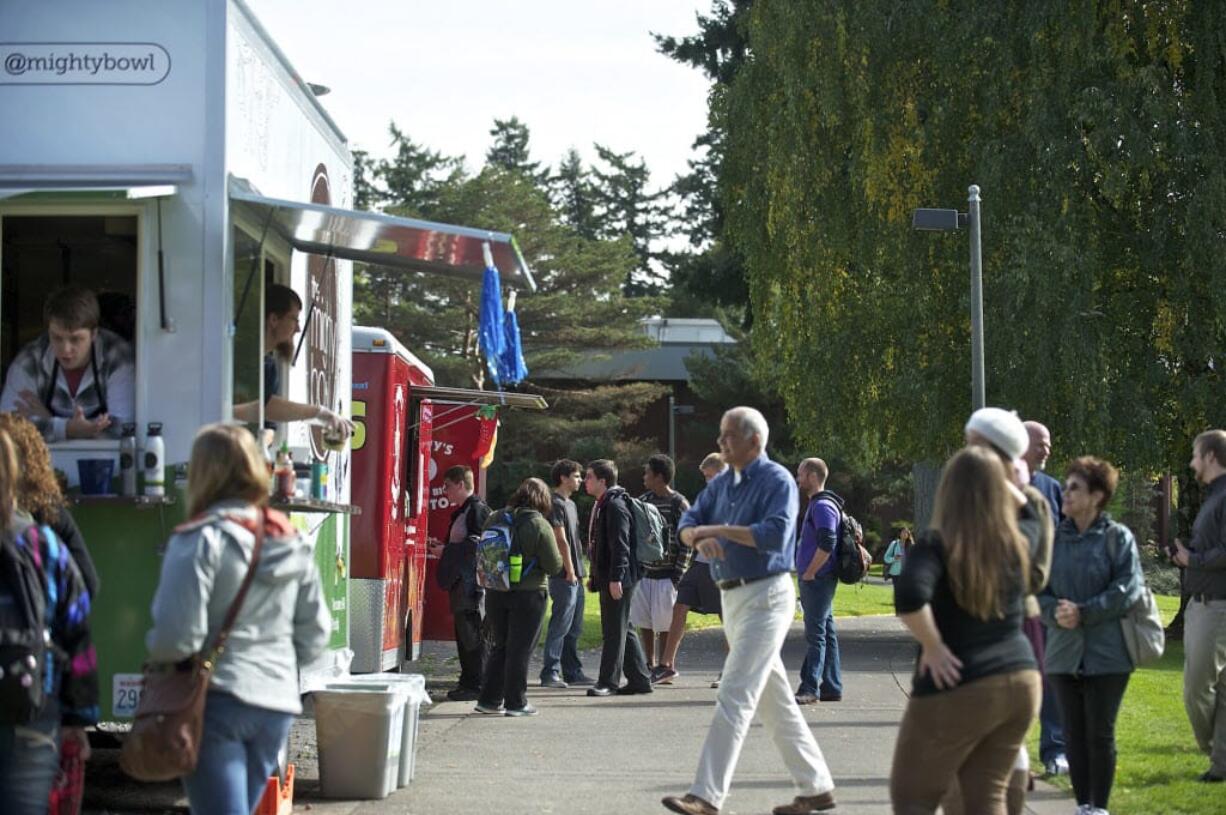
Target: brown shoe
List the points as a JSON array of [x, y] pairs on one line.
[[689, 805], [806, 804]]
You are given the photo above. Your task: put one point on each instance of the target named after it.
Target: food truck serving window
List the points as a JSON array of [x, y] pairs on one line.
[[44, 251]]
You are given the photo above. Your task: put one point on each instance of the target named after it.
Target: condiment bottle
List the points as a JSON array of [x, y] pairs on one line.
[[155, 460], [284, 473], [127, 460]]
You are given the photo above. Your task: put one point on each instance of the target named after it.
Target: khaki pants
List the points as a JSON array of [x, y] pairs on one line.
[[970, 734], [1204, 677]]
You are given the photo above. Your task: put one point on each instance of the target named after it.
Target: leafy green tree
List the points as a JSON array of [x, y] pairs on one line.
[[578, 307], [1095, 130]]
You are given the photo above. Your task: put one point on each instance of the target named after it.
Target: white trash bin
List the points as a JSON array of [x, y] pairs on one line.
[[359, 729], [415, 687]]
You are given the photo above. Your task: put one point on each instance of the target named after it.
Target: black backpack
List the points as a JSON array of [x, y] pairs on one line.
[[851, 558], [24, 634]]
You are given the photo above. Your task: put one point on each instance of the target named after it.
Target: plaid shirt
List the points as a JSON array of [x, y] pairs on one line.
[[31, 370]]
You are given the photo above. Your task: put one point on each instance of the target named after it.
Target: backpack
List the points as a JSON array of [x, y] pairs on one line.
[[24, 633], [647, 524], [495, 548], [851, 558]]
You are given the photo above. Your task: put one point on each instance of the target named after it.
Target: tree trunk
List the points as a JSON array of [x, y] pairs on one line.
[[925, 476]]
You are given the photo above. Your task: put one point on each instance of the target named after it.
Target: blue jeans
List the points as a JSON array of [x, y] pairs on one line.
[[29, 763], [820, 673], [238, 753], [565, 626]]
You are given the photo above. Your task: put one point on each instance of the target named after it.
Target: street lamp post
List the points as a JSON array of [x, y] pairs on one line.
[[946, 220]]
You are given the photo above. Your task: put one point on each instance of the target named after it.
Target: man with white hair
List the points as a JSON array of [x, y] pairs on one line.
[[744, 521]]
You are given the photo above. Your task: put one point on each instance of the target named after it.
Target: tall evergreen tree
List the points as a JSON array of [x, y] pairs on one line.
[[627, 208], [574, 196], [510, 150], [712, 271]]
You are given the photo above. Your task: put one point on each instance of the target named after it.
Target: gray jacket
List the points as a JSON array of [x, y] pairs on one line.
[[1100, 571], [284, 621]]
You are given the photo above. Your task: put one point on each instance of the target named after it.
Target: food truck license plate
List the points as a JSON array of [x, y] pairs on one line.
[[125, 694]]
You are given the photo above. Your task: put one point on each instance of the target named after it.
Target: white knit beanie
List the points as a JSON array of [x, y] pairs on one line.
[[1002, 428]]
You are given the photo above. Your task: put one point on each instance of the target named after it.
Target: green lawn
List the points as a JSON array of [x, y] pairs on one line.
[[1158, 760]]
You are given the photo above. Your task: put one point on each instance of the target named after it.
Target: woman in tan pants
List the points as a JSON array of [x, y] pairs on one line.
[[976, 688]]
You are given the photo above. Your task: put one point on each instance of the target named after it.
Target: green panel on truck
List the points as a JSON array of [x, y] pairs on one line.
[[127, 540]]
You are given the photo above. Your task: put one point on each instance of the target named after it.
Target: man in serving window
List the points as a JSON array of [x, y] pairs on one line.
[[76, 381]]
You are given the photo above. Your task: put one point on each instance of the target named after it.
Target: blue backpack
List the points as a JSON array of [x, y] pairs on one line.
[[495, 548]]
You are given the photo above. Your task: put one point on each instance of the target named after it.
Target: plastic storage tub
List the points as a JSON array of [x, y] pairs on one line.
[[415, 687], [359, 728]]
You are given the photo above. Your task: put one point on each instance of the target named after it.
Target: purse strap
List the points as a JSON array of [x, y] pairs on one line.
[[219, 645]]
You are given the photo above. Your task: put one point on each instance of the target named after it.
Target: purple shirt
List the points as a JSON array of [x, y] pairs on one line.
[[820, 531]]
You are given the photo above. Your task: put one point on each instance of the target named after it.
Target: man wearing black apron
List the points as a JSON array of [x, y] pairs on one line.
[[76, 381]]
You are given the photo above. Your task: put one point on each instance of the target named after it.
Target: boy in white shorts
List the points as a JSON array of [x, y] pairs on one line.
[[651, 607]]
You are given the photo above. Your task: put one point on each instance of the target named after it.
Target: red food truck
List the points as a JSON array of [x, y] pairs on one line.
[[408, 433]]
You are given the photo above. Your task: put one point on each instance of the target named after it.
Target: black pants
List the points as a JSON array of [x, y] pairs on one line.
[[470, 644], [621, 645], [1089, 706], [514, 619]]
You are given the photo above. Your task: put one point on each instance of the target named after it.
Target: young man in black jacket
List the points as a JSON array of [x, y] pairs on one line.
[[615, 572], [457, 574]]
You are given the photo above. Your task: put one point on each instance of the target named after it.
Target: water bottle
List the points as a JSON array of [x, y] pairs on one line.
[[127, 459], [155, 460], [517, 567]]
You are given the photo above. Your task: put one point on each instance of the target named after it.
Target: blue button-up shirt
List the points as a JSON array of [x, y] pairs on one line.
[[765, 500]]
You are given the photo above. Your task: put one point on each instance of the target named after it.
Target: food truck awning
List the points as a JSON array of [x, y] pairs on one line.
[[468, 396], [384, 240], [109, 180]]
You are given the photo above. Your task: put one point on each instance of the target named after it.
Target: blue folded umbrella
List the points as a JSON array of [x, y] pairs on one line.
[[511, 366], [491, 331]]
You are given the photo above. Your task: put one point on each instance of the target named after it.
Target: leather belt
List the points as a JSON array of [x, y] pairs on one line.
[[726, 585]]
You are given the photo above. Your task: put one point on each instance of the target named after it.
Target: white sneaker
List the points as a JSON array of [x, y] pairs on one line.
[[1057, 766], [1084, 809]]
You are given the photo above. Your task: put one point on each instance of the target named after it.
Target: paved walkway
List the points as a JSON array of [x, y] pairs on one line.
[[620, 755]]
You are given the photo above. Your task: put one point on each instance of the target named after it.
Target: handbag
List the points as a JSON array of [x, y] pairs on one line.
[[1141, 625], [164, 742]]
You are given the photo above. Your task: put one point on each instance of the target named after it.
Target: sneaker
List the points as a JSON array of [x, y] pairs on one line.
[[806, 698], [663, 676], [463, 695], [1210, 777], [553, 682], [831, 697], [489, 710], [1084, 809], [689, 805], [718, 679], [806, 804], [526, 710], [1056, 766], [601, 690], [582, 680], [631, 690]]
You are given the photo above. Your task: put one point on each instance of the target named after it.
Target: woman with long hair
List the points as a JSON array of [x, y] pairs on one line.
[[961, 593], [1095, 578], [514, 617], [34, 560], [283, 622], [895, 554], [38, 493]]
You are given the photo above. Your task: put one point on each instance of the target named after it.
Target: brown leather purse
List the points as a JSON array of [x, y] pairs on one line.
[[164, 742]]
